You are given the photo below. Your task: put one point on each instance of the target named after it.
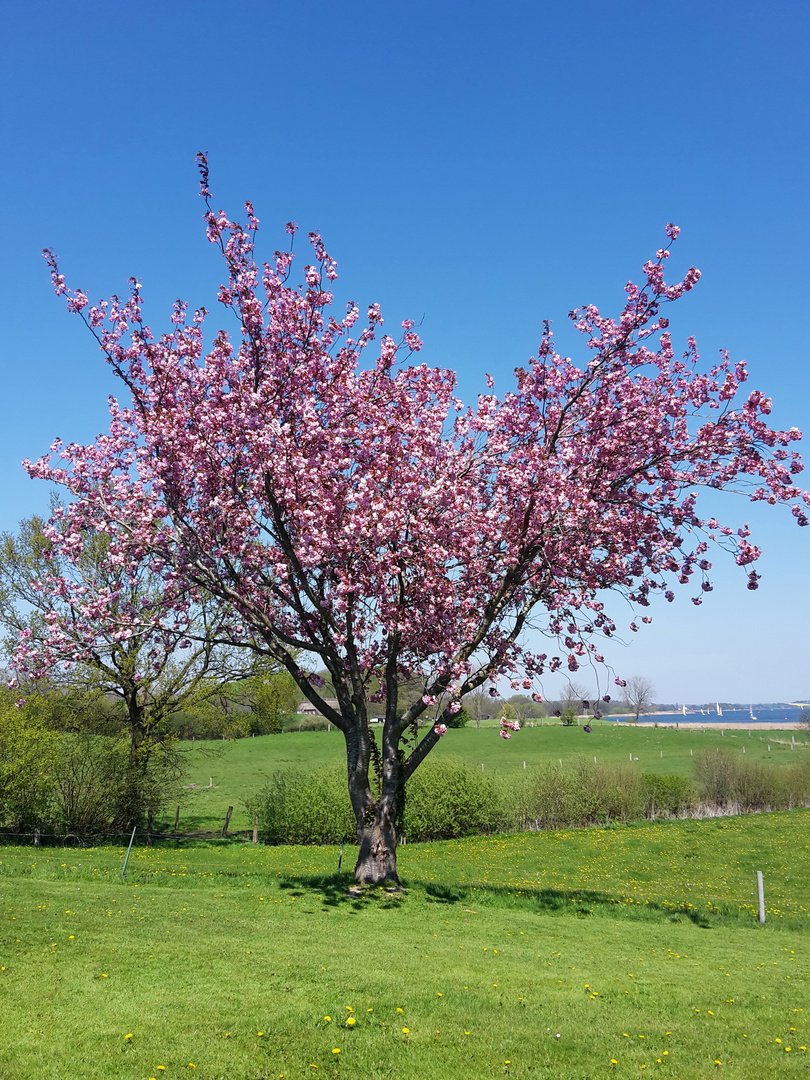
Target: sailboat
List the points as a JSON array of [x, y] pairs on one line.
[[751, 711], [684, 710], [719, 710]]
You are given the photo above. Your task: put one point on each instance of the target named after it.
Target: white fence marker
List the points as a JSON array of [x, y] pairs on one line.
[[761, 891]]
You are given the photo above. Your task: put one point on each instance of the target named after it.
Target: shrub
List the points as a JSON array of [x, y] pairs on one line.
[[668, 795], [302, 806], [447, 799], [307, 723], [89, 775], [716, 775], [27, 755]]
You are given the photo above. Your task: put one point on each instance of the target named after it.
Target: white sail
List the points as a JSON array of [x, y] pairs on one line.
[[719, 710]]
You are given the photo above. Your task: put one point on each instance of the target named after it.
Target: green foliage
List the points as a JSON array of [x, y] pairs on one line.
[[727, 780], [303, 806], [274, 702], [446, 799], [459, 719], [569, 716], [307, 723], [27, 758], [89, 776], [665, 795]]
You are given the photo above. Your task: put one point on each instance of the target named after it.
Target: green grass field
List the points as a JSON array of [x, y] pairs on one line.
[[241, 766], [618, 952]]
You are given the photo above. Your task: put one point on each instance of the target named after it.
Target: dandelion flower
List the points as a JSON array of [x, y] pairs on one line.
[[350, 1021], [328, 1019], [336, 1050], [128, 1036], [399, 1010], [406, 1031]]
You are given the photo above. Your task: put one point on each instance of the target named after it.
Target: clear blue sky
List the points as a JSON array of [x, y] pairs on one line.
[[481, 166]]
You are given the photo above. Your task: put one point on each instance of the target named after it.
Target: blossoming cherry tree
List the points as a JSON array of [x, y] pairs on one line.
[[339, 498]]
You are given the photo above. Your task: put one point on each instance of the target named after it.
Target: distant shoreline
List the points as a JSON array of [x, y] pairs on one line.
[[713, 721]]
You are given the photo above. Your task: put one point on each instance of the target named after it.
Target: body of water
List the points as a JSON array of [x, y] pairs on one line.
[[783, 714]]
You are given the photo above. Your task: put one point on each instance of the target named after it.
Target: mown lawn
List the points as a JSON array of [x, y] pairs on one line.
[[518, 956], [239, 767]]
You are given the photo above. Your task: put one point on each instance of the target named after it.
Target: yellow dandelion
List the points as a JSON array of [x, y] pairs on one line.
[[328, 1019], [399, 1010], [613, 1061], [128, 1036], [350, 1021], [406, 1031], [336, 1050]]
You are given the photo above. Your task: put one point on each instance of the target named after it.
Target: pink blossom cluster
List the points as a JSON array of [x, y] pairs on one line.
[[507, 727]]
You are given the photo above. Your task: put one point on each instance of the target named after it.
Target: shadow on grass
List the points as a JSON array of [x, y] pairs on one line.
[[340, 891]]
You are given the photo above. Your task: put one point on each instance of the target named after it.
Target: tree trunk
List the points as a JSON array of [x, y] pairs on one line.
[[377, 856], [376, 819]]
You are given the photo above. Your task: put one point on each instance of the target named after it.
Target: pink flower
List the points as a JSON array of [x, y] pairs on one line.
[[440, 729]]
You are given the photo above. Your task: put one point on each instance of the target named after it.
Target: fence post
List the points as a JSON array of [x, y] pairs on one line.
[[227, 821], [126, 860], [761, 891], [255, 828], [36, 837]]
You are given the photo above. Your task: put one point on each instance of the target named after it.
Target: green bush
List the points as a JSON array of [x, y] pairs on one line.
[[446, 799], [307, 723], [726, 779], [27, 757], [668, 795], [301, 806]]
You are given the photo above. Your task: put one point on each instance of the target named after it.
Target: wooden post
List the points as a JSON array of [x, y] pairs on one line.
[[761, 892], [227, 821], [36, 837], [255, 828], [149, 819], [210, 781], [176, 818]]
